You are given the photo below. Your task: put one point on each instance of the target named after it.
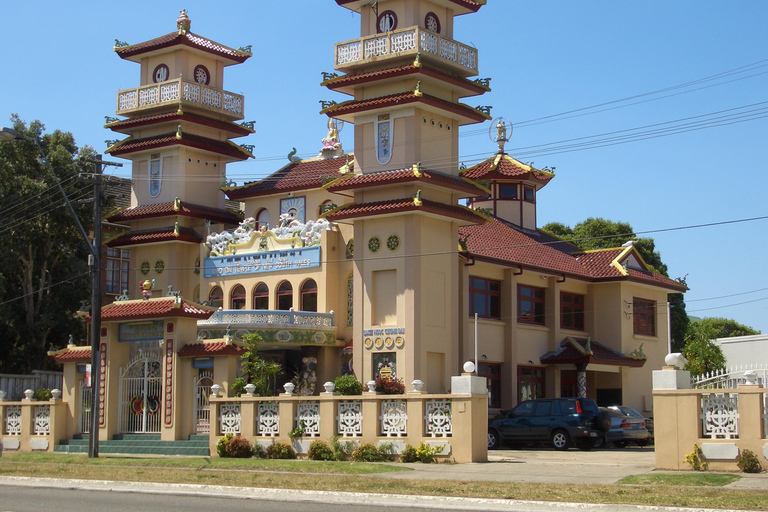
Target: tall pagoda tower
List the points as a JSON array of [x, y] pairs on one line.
[[406, 75], [179, 124]]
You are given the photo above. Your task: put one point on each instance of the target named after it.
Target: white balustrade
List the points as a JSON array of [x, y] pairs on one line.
[[268, 422], [42, 420], [720, 415], [438, 418], [394, 418], [230, 418], [13, 420], [308, 416], [350, 418], [174, 90]]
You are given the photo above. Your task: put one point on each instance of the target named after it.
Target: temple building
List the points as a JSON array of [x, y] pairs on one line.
[[391, 261]]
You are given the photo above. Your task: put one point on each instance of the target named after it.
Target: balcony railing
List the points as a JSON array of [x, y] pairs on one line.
[[172, 92], [239, 318], [409, 41]]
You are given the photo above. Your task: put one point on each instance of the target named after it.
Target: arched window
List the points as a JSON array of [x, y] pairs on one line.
[[216, 297], [284, 296], [237, 297], [262, 218], [261, 296], [309, 296]]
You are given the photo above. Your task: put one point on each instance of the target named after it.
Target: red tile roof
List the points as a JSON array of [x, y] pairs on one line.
[[406, 175], [574, 351], [498, 242], [346, 81], [72, 355], [504, 167], [167, 209], [154, 308], [218, 348], [302, 175], [183, 39], [222, 147], [395, 206], [469, 5], [175, 117], [405, 98], [148, 236]]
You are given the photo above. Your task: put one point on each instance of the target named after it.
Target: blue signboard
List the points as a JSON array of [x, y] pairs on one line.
[[272, 261], [144, 331]]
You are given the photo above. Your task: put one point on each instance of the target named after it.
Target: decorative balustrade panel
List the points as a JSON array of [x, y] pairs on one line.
[[403, 41], [468, 57], [428, 43], [350, 418], [233, 103], [13, 420], [42, 420], [348, 53], [169, 92], [308, 416], [438, 418], [313, 320], [211, 98], [230, 418], [148, 96], [191, 92], [268, 419], [393, 419], [448, 50], [127, 100], [720, 415], [269, 318], [375, 47]]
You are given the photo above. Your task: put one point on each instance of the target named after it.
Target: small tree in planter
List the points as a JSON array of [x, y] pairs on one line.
[[256, 370], [348, 385]]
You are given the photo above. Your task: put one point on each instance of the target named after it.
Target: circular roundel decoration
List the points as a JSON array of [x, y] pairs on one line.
[[393, 242], [159, 266], [201, 75], [389, 342], [368, 343], [161, 73], [432, 22], [399, 342], [379, 343], [145, 267], [387, 22], [374, 244]]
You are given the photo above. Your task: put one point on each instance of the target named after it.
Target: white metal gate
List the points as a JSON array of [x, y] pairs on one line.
[[141, 395], [84, 408], [202, 409]]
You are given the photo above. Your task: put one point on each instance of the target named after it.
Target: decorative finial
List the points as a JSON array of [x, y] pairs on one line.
[[178, 133], [417, 92], [417, 61], [417, 199], [177, 205], [176, 230], [71, 340], [503, 131], [417, 170], [146, 288], [183, 22]]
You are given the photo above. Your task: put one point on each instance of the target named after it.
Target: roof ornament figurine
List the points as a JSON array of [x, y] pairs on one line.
[[146, 288], [331, 144], [183, 22], [503, 132]]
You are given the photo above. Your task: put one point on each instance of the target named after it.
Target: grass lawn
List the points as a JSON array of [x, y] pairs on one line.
[[662, 489]]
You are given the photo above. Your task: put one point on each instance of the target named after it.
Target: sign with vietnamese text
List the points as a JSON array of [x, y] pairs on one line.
[[143, 331], [272, 261]]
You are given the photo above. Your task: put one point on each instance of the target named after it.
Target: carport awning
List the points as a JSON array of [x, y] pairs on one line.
[[584, 351]]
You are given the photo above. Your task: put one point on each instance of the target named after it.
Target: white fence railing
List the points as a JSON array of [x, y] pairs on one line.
[[730, 378], [174, 91]]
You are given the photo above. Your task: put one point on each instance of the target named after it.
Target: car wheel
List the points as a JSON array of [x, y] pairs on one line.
[[560, 440], [599, 442], [603, 422], [493, 440], [585, 444], [620, 444]]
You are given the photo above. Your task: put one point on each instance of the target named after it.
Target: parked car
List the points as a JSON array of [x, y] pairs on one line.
[[624, 429], [560, 421], [634, 413]]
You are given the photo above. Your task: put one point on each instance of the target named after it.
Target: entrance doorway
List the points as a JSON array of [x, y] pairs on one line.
[[141, 394], [203, 384]]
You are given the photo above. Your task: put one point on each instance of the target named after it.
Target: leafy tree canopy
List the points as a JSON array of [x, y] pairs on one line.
[[727, 328], [700, 350], [43, 264]]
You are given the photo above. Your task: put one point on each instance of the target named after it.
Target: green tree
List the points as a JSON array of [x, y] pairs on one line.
[[599, 233], [43, 265], [700, 350], [727, 328], [258, 371]]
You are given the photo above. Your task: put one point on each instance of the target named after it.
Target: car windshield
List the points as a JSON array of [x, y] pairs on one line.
[[524, 409], [631, 412]]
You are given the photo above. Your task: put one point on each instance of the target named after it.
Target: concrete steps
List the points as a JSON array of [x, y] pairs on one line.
[[138, 444]]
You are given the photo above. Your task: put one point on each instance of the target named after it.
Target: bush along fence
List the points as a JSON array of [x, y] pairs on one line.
[[32, 425], [455, 425], [724, 424]]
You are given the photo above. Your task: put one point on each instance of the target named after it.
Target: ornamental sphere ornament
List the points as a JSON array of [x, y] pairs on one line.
[[500, 132]]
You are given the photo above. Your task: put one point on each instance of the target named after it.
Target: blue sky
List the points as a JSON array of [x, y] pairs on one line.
[[545, 58]]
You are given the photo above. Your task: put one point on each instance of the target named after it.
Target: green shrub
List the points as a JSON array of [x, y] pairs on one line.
[[342, 450], [319, 450], [234, 447], [280, 451], [259, 452], [42, 394], [298, 431], [367, 453], [748, 462], [696, 459], [348, 385], [424, 453], [220, 446], [389, 386]]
